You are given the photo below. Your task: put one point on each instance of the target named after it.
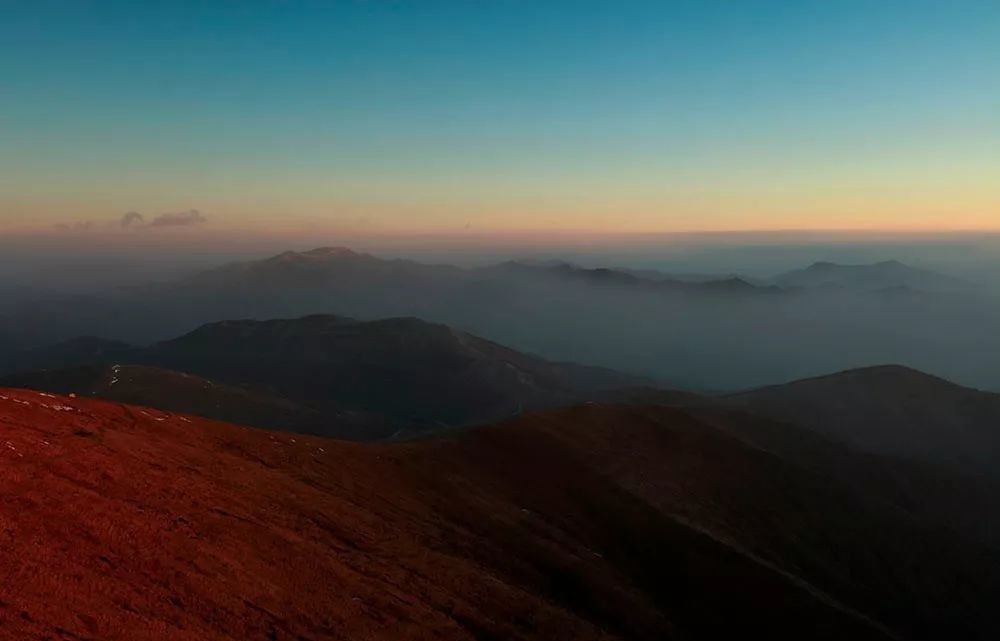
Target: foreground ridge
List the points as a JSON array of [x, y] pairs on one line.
[[129, 523]]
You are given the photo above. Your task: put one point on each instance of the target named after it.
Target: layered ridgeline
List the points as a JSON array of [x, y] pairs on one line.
[[595, 522], [368, 380], [322, 374], [697, 331], [322, 280], [400, 377]]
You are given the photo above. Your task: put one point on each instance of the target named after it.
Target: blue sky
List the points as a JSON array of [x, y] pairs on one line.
[[639, 116]]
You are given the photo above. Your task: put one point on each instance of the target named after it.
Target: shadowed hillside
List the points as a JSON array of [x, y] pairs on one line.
[[589, 523], [181, 392], [891, 410]]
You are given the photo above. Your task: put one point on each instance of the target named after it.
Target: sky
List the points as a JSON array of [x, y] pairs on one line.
[[403, 118]]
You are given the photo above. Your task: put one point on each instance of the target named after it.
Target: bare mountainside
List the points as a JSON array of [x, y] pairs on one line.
[[590, 523], [342, 377]]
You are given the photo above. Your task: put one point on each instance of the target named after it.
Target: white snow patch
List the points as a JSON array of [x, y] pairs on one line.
[[116, 370], [60, 408]]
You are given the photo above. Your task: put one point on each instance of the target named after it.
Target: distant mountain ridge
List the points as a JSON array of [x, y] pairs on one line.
[[397, 374], [651, 282], [321, 266], [310, 268], [336, 266], [670, 328], [885, 275]]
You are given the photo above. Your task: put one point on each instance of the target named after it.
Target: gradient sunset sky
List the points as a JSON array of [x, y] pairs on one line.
[[442, 117]]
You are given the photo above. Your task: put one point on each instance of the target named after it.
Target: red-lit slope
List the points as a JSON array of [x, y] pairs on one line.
[[118, 523]]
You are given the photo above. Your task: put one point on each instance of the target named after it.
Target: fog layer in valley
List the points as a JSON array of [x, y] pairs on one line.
[[720, 333]]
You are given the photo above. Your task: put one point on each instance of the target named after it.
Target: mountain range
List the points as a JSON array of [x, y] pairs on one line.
[[475, 490], [401, 377], [705, 333], [367, 380], [885, 275], [321, 374]]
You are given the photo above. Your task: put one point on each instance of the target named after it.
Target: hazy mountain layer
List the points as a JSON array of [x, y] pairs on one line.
[[715, 334], [330, 375]]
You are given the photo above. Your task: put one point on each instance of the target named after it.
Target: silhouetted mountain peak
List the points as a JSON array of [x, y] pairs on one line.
[[317, 255], [876, 375], [323, 252], [885, 275], [828, 266], [653, 282]]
